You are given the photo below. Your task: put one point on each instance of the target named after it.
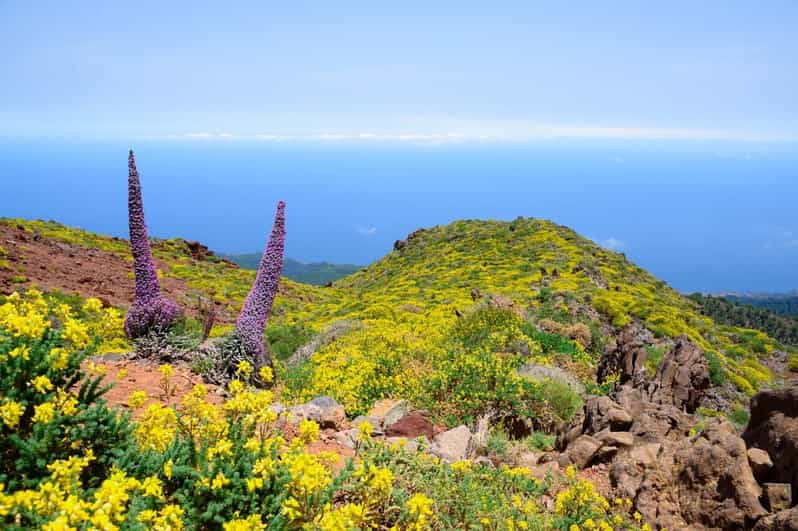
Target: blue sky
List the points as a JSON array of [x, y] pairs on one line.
[[413, 71]]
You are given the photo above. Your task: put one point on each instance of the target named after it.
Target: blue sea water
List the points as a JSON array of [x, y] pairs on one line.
[[709, 216]]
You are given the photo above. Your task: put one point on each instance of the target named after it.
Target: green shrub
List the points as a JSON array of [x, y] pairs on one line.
[[539, 440], [465, 385], [561, 398], [283, 340], [653, 359], [498, 442], [488, 326], [466, 496], [740, 416], [716, 373], [60, 411]]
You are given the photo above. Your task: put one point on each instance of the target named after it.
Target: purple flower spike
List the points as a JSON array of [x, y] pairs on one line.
[[150, 309], [251, 322]]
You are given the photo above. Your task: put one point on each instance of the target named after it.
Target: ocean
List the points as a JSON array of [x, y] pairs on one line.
[[703, 216]]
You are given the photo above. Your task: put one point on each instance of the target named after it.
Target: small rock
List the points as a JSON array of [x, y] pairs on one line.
[[389, 411], [528, 459], [620, 419], [777, 496], [324, 410], [760, 462], [277, 408], [452, 445], [605, 454], [582, 450], [616, 438], [346, 438], [411, 426], [644, 455]]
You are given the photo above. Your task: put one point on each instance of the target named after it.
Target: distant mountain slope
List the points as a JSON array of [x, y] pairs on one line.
[[729, 311], [780, 303], [318, 273]]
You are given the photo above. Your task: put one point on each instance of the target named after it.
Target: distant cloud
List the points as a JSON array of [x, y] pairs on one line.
[[366, 231], [205, 136], [613, 244], [501, 132]]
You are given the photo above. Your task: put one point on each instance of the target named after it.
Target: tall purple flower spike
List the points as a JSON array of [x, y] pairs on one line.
[[150, 309], [251, 322]]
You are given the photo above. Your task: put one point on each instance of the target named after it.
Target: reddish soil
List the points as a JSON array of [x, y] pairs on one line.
[[55, 265], [144, 376], [598, 475]]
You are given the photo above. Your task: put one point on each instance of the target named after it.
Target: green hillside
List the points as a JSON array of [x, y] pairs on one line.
[[780, 303], [426, 321], [318, 273]]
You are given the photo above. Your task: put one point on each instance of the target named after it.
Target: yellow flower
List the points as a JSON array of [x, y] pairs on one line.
[[219, 482], [263, 467], [570, 472], [222, 448], [308, 431], [291, 509], [136, 399], [253, 523], [419, 505], [44, 412], [76, 333], [67, 404], [93, 305], [244, 369], [236, 387], [266, 374], [60, 358], [151, 486], [166, 370], [10, 413], [23, 351], [365, 429], [121, 374], [254, 484], [167, 469], [461, 466], [42, 384]]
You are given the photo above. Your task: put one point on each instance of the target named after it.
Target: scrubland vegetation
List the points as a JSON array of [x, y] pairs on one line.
[[468, 321]]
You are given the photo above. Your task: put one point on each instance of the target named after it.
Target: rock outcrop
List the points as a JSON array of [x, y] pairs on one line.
[[780, 521], [773, 427], [703, 481], [682, 377], [627, 354], [644, 429]]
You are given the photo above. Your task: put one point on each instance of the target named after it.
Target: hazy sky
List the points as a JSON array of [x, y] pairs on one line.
[[667, 130], [416, 71]]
